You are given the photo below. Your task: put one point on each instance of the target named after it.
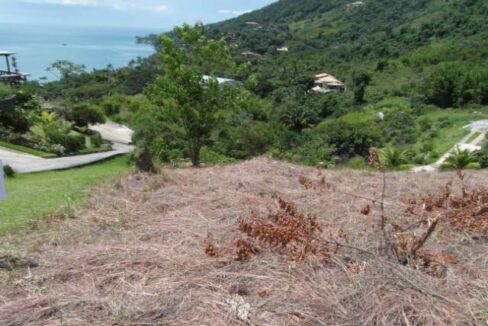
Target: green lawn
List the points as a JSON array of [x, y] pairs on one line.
[[33, 196]]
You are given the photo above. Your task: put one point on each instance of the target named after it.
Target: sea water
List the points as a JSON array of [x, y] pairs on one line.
[[37, 47]]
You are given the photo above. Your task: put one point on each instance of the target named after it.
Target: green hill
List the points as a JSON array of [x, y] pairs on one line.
[[399, 41]]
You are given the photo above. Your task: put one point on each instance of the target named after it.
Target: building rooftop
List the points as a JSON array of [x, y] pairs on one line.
[[220, 80], [327, 78], [4, 53]]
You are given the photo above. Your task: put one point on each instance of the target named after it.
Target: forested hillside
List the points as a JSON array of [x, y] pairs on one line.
[[400, 42], [415, 73]]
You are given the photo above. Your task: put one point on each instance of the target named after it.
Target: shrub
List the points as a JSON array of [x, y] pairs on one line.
[[91, 90], [5, 91], [96, 140], [392, 158], [12, 117], [211, 157], [143, 159], [482, 156], [74, 141], [84, 114], [357, 163], [461, 159], [8, 171]]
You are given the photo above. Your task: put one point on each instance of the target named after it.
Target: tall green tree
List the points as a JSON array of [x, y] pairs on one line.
[[189, 104], [66, 69], [442, 86], [360, 80]]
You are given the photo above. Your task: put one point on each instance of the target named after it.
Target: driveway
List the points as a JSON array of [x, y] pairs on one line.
[[467, 143], [119, 135]]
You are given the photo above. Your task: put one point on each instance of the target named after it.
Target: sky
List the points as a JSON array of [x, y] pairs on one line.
[[161, 14]]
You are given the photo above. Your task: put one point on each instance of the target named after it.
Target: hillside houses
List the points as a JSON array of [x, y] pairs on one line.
[[327, 83]]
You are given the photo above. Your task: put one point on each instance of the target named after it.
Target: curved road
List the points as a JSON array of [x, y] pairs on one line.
[[119, 135]]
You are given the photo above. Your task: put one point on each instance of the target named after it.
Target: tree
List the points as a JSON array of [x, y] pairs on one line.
[[442, 86], [84, 114], [360, 80], [296, 117], [189, 104], [66, 69]]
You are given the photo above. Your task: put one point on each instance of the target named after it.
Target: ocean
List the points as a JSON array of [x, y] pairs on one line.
[[36, 47]]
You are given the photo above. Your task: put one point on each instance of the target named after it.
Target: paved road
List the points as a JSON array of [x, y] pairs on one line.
[[466, 143], [25, 163], [114, 132]]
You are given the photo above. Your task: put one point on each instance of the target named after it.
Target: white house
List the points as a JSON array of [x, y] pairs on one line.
[[221, 81], [327, 83]]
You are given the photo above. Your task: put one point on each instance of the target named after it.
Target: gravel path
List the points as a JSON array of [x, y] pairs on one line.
[[119, 135]]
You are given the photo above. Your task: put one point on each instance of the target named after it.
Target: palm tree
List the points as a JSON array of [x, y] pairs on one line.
[[391, 157], [460, 159], [296, 118]]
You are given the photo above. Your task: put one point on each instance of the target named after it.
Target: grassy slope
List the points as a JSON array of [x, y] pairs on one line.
[[446, 136], [32, 196]]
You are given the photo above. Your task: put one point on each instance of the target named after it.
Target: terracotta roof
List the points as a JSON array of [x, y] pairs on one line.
[[327, 78]]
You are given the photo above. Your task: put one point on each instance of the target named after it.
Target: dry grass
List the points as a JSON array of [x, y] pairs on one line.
[[135, 255]]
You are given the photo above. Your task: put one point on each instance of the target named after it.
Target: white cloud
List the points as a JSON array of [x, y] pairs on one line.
[[232, 12], [122, 5]]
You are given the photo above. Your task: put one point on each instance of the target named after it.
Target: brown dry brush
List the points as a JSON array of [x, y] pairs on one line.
[[467, 212], [286, 231], [402, 242], [296, 235]]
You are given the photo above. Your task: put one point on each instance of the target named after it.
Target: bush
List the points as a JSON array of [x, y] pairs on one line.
[[143, 159], [96, 140], [460, 159], [12, 117], [5, 91], [74, 142], [482, 156], [357, 163], [8, 171], [392, 158], [91, 90], [211, 157], [83, 115]]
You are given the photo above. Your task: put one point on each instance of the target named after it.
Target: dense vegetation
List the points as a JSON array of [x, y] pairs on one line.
[[415, 72], [27, 124]]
